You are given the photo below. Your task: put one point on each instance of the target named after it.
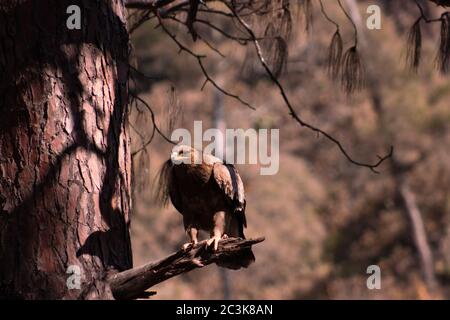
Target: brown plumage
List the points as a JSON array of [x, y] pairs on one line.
[[210, 196]]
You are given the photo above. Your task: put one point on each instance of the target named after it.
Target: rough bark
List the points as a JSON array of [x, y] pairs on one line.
[[132, 283], [64, 150]]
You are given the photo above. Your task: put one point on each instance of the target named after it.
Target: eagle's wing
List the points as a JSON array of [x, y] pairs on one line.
[[230, 182]]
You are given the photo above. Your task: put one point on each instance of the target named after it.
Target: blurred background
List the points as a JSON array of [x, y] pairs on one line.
[[325, 220]]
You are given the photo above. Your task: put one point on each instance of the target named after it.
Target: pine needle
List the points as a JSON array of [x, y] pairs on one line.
[[443, 56], [335, 55], [414, 46], [352, 77]]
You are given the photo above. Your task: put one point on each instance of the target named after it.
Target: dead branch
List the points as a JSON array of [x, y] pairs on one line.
[[155, 126], [132, 283]]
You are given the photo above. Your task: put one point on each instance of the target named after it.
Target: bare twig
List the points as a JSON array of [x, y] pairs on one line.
[[424, 17], [141, 74], [155, 126], [210, 46], [355, 29], [335, 49], [199, 59], [143, 18], [322, 9]]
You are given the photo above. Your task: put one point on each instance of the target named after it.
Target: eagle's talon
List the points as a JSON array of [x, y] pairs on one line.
[[214, 240], [187, 246], [197, 263]]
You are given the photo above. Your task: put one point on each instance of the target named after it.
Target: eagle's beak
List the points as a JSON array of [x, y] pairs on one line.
[[179, 159]]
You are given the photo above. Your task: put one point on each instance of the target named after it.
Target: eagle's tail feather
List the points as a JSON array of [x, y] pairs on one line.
[[235, 229], [241, 259]]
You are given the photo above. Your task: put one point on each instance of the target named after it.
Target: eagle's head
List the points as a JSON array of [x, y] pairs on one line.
[[182, 158], [185, 154]]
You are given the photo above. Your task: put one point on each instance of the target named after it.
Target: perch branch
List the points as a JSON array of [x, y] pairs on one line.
[[132, 283]]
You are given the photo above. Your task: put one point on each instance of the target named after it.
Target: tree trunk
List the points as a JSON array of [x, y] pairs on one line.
[[420, 234], [64, 151]]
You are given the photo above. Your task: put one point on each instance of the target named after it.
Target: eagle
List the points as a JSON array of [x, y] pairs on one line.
[[209, 194]]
